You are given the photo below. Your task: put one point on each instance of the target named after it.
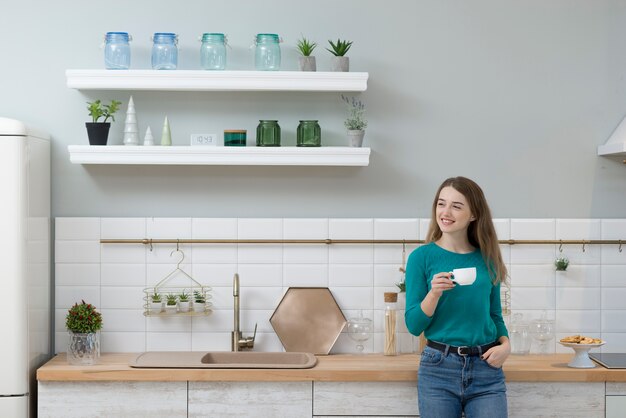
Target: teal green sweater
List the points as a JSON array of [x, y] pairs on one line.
[[465, 315]]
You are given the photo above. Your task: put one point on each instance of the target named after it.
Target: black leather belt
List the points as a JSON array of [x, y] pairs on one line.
[[479, 350]]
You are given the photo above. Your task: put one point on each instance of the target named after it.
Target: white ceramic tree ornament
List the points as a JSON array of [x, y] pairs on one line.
[[131, 129], [148, 139]]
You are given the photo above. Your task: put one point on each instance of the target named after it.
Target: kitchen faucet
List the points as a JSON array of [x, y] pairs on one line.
[[238, 342]]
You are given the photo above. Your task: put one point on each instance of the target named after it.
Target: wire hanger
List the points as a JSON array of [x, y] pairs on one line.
[[177, 269], [403, 268]]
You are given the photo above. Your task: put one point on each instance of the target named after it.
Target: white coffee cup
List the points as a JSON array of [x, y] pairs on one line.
[[464, 276]]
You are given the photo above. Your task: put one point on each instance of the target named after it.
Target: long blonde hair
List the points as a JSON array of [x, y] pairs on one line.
[[481, 232]]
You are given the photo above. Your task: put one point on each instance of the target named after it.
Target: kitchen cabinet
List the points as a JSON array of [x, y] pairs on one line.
[[615, 399], [556, 399], [181, 80]]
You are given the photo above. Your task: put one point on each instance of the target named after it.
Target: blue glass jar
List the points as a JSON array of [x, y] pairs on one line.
[[213, 51], [267, 53], [117, 51], [164, 51]]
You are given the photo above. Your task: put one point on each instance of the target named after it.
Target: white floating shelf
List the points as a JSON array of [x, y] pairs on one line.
[[207, 155], [618, 148], [183, 80]]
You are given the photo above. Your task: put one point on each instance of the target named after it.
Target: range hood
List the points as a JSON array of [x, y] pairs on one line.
[[616, 144]]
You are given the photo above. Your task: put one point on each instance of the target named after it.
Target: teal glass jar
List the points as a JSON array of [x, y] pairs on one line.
[[235, 138], [267, 52], [213, 51], [309, 134], [268, 134]]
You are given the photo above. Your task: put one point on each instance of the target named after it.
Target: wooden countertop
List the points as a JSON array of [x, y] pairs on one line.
[[339, 368]]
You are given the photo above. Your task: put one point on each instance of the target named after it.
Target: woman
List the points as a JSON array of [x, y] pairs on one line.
[[461, 366]]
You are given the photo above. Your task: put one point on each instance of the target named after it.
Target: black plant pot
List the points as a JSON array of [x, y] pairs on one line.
[[98, 132]]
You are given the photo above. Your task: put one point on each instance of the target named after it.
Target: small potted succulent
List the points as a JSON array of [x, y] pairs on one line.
[[355, 122], [156, 302], [183, 301], [171, 302], [98, 132], [83, 323], [340, 62], [199, 301], [306, 61]]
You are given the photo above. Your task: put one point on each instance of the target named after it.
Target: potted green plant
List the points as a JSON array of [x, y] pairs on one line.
[[183, 301], [340, 62], [306, 61], [156, 302], [199, 301], [171, 304], [355, 122], [83, 323], [561, 263], [98, 132]]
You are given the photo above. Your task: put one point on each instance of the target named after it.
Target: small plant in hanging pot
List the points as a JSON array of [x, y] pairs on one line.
[[199, 301], [83, 323], [306, 61], [98, 132], [355, 122], [340, 62], [171, 304], [183, 301], [561, 263], [156, 302]]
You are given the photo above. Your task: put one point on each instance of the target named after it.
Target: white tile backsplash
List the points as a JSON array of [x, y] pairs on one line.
[[587, 298]]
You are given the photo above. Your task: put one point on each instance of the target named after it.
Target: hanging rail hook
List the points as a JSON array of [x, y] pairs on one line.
[[620, 246], [403, 268], [561, 246], [151, 247], [583, 246], [178, 250]]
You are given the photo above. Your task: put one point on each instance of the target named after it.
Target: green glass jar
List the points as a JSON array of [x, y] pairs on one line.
[[268, 134], [309, 134], [235, 138]]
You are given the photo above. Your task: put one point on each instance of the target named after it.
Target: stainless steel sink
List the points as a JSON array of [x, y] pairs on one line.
[[223, 360]]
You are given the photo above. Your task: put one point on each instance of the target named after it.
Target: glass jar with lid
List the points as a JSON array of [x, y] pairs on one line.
[[117, 50], [213, 51], [267, 52], [164, 51]]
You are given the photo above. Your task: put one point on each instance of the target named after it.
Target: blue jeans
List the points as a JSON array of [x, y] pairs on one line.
[[450, 384]]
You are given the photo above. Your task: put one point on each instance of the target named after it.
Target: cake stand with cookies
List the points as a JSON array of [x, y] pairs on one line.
[[581, 346]]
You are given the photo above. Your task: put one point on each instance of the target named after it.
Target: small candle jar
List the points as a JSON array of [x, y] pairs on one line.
[[235, 138]]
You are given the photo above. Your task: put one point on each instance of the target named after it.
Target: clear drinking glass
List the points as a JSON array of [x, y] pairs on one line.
[[359, 330]]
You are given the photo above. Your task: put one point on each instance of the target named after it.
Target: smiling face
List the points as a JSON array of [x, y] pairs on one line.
[[453, 213]]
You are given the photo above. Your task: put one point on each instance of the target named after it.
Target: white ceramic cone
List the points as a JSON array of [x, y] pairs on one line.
[[166, 136], [131, 129], [148, 139]]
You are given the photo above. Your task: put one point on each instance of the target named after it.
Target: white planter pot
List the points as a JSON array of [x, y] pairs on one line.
[[156, 307], [184, 306], [307, 64], [340, 64], [198, 306], [355, 138], [171, 308]]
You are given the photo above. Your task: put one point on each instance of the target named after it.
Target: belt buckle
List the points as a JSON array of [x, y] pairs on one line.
[[463, 351]]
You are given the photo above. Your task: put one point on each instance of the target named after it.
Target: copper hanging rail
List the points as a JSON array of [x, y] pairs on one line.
[[150, 241]]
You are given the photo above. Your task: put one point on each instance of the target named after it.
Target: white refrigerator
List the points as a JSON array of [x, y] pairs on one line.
[[24, 264]]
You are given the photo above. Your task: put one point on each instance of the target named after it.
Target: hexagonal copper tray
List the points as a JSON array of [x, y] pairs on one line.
[[308, 319]]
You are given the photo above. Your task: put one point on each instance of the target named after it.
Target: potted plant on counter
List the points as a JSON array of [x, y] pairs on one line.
[[355, 122], [83, 323], [340, 62], [306, 61], [98, 132]]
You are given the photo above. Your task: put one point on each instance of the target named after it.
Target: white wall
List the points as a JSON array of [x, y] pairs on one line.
[[587, 298], [516, 95]]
